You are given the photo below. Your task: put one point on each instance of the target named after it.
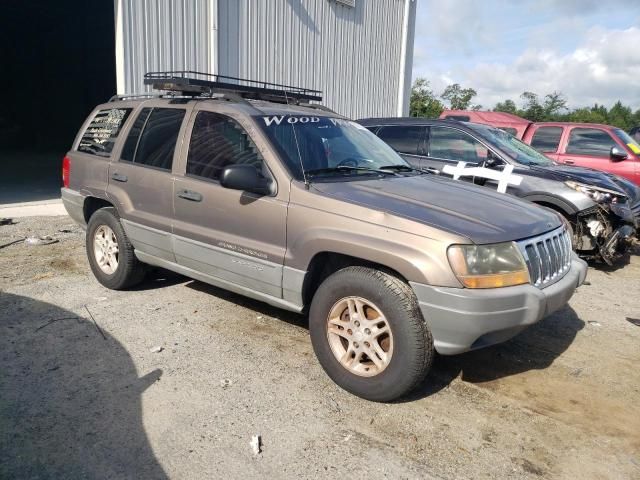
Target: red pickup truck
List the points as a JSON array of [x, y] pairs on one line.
[[592, 145]]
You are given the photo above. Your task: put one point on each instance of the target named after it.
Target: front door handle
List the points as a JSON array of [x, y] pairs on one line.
[[118, 177], [190, 195], [569, 162]]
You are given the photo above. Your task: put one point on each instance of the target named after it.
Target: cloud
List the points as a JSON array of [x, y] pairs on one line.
[[603, 68], [458, 25], [582, 7]]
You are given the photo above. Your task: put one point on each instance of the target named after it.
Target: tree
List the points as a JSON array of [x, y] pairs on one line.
[[553, 104], [423, 102], [532, 109], [459, 98], [588, 115], [508, 106], [620, 116]]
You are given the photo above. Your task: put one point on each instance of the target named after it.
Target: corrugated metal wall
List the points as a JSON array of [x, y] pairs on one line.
[[163, 35], [351, 53]]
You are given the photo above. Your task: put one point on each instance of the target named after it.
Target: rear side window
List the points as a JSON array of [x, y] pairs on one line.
[[218, 141], [590, 141], [460, 118], [451, 144], [130, 145], [510, 130], [101, 134], [153, 137], [546, 139], [404, 139]]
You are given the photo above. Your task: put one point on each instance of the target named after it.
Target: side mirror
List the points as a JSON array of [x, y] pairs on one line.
[[617, 154], [492, 161], [246, 178]]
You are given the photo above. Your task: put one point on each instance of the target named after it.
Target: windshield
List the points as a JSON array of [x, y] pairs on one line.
[[516, 149], [327, 146], [628, 140]]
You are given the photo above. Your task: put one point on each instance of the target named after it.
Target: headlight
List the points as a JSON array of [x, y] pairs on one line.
[[488, 266], [597, 194]]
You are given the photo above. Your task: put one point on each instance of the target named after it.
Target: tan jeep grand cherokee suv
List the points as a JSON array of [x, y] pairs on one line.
[[298, 207]]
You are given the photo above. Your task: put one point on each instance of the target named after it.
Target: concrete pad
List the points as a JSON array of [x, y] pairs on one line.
[[48, 208]]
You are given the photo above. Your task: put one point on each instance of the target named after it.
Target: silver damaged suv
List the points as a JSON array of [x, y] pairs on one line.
[[256, 192]]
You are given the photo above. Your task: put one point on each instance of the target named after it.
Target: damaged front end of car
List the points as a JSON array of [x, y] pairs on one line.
[[606, 230]]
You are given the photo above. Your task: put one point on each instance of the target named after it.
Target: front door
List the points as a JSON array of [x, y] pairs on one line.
[[235, 238], [408, 140], [141, 182], [448, 146]]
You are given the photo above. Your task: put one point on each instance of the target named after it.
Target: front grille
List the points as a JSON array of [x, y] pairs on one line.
[[548, 256]]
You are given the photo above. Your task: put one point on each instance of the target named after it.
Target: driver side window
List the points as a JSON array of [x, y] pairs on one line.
[[452, 144], [218, 141]]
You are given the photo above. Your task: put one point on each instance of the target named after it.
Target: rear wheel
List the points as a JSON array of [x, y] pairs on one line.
[[110, 253], [369, 335]]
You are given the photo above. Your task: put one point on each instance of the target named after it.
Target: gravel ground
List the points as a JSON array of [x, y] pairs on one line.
[[84, 393]]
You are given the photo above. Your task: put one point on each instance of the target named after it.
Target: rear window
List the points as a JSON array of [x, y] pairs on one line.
[[546, 139], [590, 141], [101, 134]]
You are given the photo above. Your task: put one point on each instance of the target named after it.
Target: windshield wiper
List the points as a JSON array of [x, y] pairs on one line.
[[402, 168], [346, 168]]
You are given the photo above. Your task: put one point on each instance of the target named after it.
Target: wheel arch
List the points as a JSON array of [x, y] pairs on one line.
[[554, 203], [325, 263], [92, 204]]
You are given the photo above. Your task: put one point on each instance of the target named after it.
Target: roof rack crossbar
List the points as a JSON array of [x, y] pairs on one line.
[[192, 83]]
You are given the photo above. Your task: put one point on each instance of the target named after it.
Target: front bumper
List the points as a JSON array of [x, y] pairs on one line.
[[463, 319]]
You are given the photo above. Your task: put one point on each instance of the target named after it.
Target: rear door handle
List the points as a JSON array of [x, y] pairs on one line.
[[190, 195], [118, 177], [569, 162]]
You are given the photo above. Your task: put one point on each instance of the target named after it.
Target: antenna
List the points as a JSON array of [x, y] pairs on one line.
[[295, 137]]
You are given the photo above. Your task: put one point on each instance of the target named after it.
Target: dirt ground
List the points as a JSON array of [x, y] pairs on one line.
[[85, 394]]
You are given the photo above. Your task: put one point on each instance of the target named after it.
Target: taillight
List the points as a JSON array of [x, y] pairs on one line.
[[66, 170]]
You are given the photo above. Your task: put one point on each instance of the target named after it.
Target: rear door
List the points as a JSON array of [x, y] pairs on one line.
[[408, 140], [546, 139], [235, 238], [141, 182]]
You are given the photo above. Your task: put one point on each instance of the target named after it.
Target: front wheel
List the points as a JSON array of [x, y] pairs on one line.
[[369, 335]]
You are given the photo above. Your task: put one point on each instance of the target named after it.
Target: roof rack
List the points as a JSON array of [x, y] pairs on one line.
[[131, 96], [194, 84]]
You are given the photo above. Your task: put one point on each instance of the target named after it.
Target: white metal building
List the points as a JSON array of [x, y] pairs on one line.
[[358, 52]]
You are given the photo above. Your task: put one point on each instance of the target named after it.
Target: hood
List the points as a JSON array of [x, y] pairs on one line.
[[474, 212], [587, 176]]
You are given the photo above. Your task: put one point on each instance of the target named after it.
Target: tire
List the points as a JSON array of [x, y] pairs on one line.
[[405, 354], [125, 270]]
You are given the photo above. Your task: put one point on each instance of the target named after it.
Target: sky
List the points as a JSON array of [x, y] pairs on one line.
[[587, 49]]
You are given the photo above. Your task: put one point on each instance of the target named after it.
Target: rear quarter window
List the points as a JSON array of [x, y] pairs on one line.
[[100, 135]]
